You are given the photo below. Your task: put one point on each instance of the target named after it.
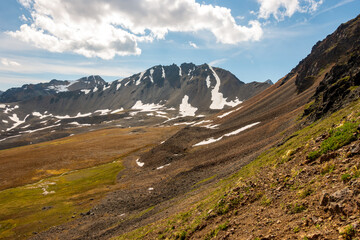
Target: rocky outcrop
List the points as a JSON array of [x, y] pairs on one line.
[[329, 51]]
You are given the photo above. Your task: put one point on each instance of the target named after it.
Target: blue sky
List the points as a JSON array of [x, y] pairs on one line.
[[256, 40]]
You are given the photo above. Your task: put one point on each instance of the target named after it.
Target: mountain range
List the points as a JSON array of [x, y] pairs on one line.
[[161, 92]]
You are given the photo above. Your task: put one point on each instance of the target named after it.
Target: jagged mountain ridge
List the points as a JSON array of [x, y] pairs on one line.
[[161, 85], [30, 91], [161, 93]]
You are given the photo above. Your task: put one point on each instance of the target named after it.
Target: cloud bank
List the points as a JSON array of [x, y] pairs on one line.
[[280, 9], [106, 28]]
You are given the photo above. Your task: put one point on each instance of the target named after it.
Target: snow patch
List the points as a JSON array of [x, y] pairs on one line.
[[2, 106], [184, 123], [161, 167], [118, 86], [211, 126], [106, 87], [77, 116], [4, 121], [95, 89], [185, 108], [202, 122], [103, 111], [217, 98], [208, 141], [241, 129], [59, 88], [10, 109], [86, 91], [148, 107], [9, 137], [238, 108], [234, 103], [212, 140], [225, 114], [117, 110], [163, 72], [180, 73], [140, 164], [151, 189], [151, 75], [17, 121], [81, 125], [208, 83], [140, 77], [40, 129]]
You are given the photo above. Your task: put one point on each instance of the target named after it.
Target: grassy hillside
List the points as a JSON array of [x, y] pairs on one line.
[[282, 194]]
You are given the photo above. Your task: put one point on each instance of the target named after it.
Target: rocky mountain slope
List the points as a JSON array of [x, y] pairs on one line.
[[305, 186], [279, 194]]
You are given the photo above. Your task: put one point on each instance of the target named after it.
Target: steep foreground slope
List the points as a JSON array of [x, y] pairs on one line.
[[307, 186], [278, 195]]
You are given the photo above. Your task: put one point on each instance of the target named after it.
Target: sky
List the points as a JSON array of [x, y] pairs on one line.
[[256, 40]]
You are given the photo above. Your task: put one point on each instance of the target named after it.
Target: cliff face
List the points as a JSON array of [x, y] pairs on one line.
[[334, 49]]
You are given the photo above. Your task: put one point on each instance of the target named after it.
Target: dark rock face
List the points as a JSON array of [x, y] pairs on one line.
[[339, 87], [329, 51]]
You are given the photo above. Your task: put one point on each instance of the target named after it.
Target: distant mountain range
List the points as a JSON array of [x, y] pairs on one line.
[[30, 91], [161, 91]]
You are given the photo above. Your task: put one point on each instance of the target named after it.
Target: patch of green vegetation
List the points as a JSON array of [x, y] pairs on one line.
[[295, 208], [313, 155], [143, 212], [345, 177], [181, 235], [205, 180], [339, 137], [348, 232], [308, 105], [305, 192], [222, 207], [296, 229], [356, 173], [353, 88], [215, 231], [265, 201], [344, 79], [328, 168], [36, 207]]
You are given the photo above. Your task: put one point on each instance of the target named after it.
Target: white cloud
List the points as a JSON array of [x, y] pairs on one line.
[[193, 45], [218, 62], [280, 9], [23, 18], [25, 3], [339, 4], [40, 66], [106, 28], [9, 63]]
